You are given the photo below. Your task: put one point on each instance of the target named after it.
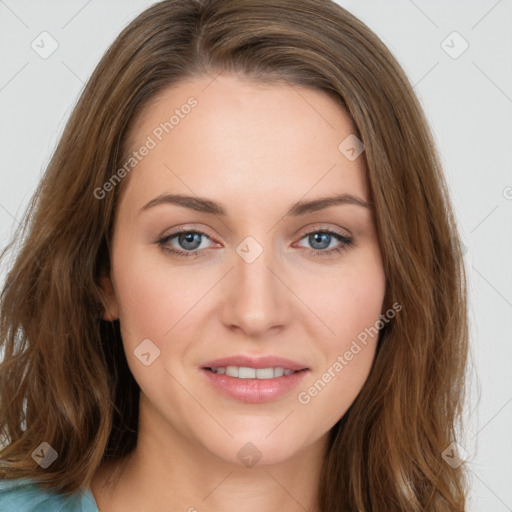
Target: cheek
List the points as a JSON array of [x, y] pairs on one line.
[[352, 310], [349, 301], [325, 399], [150, 300]]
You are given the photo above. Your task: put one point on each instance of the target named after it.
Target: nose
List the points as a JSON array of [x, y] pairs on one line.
[[256, 300]]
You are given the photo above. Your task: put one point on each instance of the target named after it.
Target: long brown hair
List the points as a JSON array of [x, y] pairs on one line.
[[64, 378]]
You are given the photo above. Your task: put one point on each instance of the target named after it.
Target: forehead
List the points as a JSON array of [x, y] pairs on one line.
[[228, 135]]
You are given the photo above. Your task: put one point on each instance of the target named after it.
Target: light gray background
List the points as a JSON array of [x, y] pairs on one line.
[[468, 102]]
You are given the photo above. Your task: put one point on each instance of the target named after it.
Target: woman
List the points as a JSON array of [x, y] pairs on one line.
[[241, 285]]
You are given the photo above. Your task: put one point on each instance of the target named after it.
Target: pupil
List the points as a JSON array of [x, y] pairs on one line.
[[319, 238], [186, 239]]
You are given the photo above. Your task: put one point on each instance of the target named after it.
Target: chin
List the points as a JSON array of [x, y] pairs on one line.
[[256, 447]]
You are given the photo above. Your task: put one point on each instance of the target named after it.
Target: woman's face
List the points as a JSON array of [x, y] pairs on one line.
[[262, 281]]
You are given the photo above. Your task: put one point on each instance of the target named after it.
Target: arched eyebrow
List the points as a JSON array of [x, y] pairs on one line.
[[302, 207], [203, 205]]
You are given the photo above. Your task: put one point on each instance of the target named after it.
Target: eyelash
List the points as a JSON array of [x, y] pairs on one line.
[[345, 243]]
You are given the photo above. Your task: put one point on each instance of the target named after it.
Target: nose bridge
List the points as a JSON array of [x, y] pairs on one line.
[[256, 300]]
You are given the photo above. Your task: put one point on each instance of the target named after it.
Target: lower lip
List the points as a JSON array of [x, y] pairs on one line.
[[255, 390]]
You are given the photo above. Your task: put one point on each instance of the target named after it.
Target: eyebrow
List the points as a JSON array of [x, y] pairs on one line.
[[204, 205]]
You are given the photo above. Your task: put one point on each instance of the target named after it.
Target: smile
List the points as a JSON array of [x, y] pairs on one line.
[[245, 372]]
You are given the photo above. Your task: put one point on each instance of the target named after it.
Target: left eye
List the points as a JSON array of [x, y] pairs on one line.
[[322, 239], [190, 242]]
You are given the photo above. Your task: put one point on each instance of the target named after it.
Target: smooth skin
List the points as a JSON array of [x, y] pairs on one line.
[[256, 149]]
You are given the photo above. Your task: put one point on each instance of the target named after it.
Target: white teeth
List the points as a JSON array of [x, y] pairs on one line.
[[265, 373], [244, 372], [232, 371]]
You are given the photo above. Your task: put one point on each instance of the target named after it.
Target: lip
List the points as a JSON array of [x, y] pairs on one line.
[[254, 390], [256, 362]]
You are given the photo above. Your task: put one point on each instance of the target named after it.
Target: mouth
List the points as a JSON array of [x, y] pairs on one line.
[[254, 380], [246, 372]]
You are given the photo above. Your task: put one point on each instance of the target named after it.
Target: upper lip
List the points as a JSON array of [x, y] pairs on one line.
[[256, 362]]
